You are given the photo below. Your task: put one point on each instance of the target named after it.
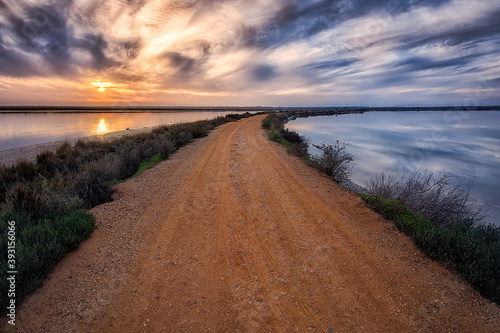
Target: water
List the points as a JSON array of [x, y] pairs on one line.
[[465, 144], [23, 129]]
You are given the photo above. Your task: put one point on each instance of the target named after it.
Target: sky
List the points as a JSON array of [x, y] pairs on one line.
[[126, 53]]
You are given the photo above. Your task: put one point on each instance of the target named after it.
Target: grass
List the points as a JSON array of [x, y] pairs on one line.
[[274, 124], [149, 164], [469, 248], [40, 243], [456, 236], [405, 219], [48, 199]]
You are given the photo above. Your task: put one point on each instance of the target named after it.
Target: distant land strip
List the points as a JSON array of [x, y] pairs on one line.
[[120, 109]]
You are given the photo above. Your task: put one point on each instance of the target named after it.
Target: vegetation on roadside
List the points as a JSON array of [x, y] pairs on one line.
[[436, 212], [274, 124], [405, 219], [334, 160], [440, 198], [47, 199]]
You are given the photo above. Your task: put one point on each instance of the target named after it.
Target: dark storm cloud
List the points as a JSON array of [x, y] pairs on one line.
[[96, 46], [326, 47], [187, 66], [329, 65], [264, 73], [325, 71], [415, 64], [485, 28], [43, 33], [358, 8], [13, 63], [182, 63], [296, 20], [302, 19], [495, 82]]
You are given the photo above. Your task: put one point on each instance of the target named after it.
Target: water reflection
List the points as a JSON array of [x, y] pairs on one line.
[[467, 147], [102, 128], [23, 129]]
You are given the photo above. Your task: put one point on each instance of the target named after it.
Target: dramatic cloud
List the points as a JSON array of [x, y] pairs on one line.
[[242, 52]]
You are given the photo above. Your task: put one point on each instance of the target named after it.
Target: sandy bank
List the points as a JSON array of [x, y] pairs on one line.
[[29, 153]]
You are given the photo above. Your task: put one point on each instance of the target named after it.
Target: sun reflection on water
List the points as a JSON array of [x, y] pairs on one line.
[[102, 128]]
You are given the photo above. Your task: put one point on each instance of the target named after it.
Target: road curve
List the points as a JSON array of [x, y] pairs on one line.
[[232, 234]]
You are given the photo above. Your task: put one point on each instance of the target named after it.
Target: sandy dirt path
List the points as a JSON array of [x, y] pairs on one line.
[[232, 234]]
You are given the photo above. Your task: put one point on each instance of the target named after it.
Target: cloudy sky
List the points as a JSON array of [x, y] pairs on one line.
[[250, 52]]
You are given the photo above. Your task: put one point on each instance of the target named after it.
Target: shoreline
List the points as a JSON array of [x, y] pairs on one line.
[[234, 215], [10, 156]]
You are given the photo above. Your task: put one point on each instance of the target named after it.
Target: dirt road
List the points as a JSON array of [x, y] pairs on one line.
[[232, 234]]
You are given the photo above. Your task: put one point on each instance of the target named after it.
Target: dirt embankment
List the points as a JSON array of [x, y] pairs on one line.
[[232, 234]]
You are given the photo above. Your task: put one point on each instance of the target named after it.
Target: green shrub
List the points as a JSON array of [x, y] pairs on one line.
[[267, 124], [291, 136], [25, 170], [24, 197], [334, 160], [40, 244], [275, 135], [149, 164], [92, 186], [473, 251], [440, 198], [405, 219]]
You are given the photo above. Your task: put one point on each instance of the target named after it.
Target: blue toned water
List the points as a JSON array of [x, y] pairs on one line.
[[463, 143]]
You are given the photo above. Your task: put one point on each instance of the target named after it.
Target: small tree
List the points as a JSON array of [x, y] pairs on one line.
[[334, 160]]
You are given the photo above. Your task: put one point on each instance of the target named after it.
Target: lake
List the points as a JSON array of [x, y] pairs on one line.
[[23, 129], [465, 144]]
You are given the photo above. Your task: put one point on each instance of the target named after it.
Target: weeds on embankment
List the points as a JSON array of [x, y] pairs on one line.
[[274, 124], [334, 160], [47, 199], [435, 212]]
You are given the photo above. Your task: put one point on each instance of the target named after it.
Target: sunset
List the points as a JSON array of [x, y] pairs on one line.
[[249, 166], [317, 53]]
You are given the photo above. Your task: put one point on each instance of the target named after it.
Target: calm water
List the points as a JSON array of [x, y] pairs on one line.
[[465, 144], [21, 129]]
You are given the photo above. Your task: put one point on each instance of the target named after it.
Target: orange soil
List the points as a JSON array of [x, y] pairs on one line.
[[232, 234]]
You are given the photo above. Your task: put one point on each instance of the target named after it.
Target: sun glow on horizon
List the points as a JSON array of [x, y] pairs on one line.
[[102, 85]]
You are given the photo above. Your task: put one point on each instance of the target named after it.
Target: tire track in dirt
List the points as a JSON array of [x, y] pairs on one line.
[[235, 235]]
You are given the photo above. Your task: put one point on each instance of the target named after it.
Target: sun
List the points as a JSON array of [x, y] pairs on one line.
[[102, 85]]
